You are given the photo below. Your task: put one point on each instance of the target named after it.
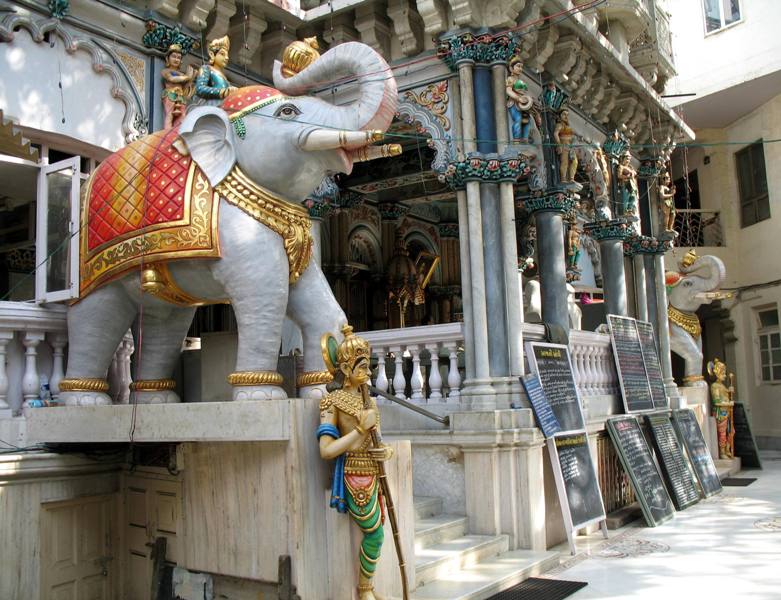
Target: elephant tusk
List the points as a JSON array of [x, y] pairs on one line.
[[330, 139], [372, 152]]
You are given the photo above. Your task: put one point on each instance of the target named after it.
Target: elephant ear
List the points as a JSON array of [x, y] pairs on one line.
[[208, 134]]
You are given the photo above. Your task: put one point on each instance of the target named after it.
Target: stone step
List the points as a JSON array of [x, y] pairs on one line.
[[427, 506], [440, 560], [488, 577], [435, 530]]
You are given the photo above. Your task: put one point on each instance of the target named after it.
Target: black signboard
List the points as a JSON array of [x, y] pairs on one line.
[[543, 412], [653, 367], [630, 365], [638, 462], [690, 435], [551, 363], [745, 445], [576, 481], [675, 467]]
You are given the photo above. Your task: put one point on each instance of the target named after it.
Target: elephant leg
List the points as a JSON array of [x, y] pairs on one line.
[[96, 325], [254, 271], [314, 308], [685, 346], [161, 328]]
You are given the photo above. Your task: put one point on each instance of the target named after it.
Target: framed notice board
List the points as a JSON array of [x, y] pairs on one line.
[[745, 445], [576, 483], [638, 462], [551, 363], [690, 435], [653, 367], [630, 364], [675, 467], [543, 412]]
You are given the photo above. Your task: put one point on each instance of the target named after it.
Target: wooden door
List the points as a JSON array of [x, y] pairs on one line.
[[77, 559]]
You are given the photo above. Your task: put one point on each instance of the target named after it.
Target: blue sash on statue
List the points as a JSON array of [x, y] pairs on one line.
[[337, 486]]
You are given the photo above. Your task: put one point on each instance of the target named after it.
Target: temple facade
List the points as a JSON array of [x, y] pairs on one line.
[[527, 203]]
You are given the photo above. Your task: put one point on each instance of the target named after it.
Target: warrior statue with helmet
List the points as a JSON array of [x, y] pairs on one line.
[[349, 433]]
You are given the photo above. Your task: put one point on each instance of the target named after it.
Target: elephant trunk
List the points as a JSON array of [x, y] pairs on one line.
[[716, 272], [376, 104]]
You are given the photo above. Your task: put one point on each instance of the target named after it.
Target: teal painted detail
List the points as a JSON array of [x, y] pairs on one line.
[[553, 97], [59, 8], [160, 37], [650, 168], [483, 48], [489, 170], [617, 229], [616, 145], [240, 127], [643, 244], [554, 201]]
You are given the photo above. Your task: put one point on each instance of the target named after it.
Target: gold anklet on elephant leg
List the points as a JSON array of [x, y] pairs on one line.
[[314, 378], [255, 378], [83, 384], [153, 385]]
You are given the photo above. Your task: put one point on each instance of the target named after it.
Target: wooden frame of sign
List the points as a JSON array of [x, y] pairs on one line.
[[653, 366], [690, 435], [627, 351], [638, 461]]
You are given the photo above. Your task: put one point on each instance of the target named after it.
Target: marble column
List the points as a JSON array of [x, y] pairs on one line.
[[553, 266], [663, 330], [466, 288], [650, 286], [611, 236], [509, 242], [478, 390], [641, 298]]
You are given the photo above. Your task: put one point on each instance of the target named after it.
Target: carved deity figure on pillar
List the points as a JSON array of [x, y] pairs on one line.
[[563, 135], [519, 102], [348, 417], [722, 404], [667, 202], [627, 181], [573, 251], [211, 84], [177, 87]]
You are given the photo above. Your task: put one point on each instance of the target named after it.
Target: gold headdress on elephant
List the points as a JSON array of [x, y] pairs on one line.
[[688, 260], [299, 55]]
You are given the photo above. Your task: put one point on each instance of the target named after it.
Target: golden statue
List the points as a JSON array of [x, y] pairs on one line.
[[299, 55], [177, 87], [667, 199], [563, 135], [722, 403], [349, 432]]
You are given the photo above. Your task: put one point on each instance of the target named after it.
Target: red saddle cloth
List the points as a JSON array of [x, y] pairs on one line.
[[146, 203]]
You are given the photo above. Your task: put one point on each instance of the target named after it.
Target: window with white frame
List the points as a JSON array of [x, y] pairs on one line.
[[720, 13], [769, 335]]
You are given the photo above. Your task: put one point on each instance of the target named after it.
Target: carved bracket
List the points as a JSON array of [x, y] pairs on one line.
[[160, 36], [491, 169], [483, 48]]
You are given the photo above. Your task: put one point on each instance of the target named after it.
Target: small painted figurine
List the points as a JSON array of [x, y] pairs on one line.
[[211, 85], [345, 434], [519, 102], [563, 135], [722, 404], [177, 87], [573, 246], [667, 199], [627, 180]]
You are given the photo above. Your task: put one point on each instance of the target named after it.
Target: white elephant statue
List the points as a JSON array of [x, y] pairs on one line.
[[211, 212], [694, 285], [532, 304]]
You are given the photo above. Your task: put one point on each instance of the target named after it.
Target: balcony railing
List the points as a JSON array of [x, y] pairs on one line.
[[698, 228]]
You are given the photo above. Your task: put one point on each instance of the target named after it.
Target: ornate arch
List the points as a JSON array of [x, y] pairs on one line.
[[429, 108], [364, 247], [104, 60]]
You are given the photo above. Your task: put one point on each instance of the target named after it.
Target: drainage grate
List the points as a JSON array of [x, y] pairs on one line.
[[536, 588], [738, 481]]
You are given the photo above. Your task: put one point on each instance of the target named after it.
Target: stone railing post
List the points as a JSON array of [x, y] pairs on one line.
[[58, 342], [31, 383], [434, 377], [5, 338]]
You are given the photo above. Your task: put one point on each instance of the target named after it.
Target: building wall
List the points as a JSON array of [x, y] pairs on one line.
[[707, 63]]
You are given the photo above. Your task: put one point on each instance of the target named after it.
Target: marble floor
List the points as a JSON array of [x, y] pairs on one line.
[[728, 546]]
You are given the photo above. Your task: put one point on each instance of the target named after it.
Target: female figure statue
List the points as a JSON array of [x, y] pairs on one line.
[[627, 180], [346, 423], [176, 87], [211, 85], [667, 199], [563, 135], [519, 102], [722, 403], [573, 246]]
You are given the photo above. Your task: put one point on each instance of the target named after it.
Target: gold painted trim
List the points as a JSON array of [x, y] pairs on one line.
[[153, 385], [157, 281], [83, 384], [690, 378], [256, 106], [255, 378], [314, 378], [288, 220], [178, 240], [687, 321]]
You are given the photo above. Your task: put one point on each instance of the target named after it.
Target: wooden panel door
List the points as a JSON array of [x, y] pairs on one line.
[[76, 549]]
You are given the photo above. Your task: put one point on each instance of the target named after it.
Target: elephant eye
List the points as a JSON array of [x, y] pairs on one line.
[[287, 111]]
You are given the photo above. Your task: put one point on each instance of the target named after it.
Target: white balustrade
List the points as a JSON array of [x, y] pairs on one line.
[[592, 359], [32, 347], [424, 347]]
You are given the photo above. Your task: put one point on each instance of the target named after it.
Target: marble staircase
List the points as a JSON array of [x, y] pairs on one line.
[[453, 565]]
